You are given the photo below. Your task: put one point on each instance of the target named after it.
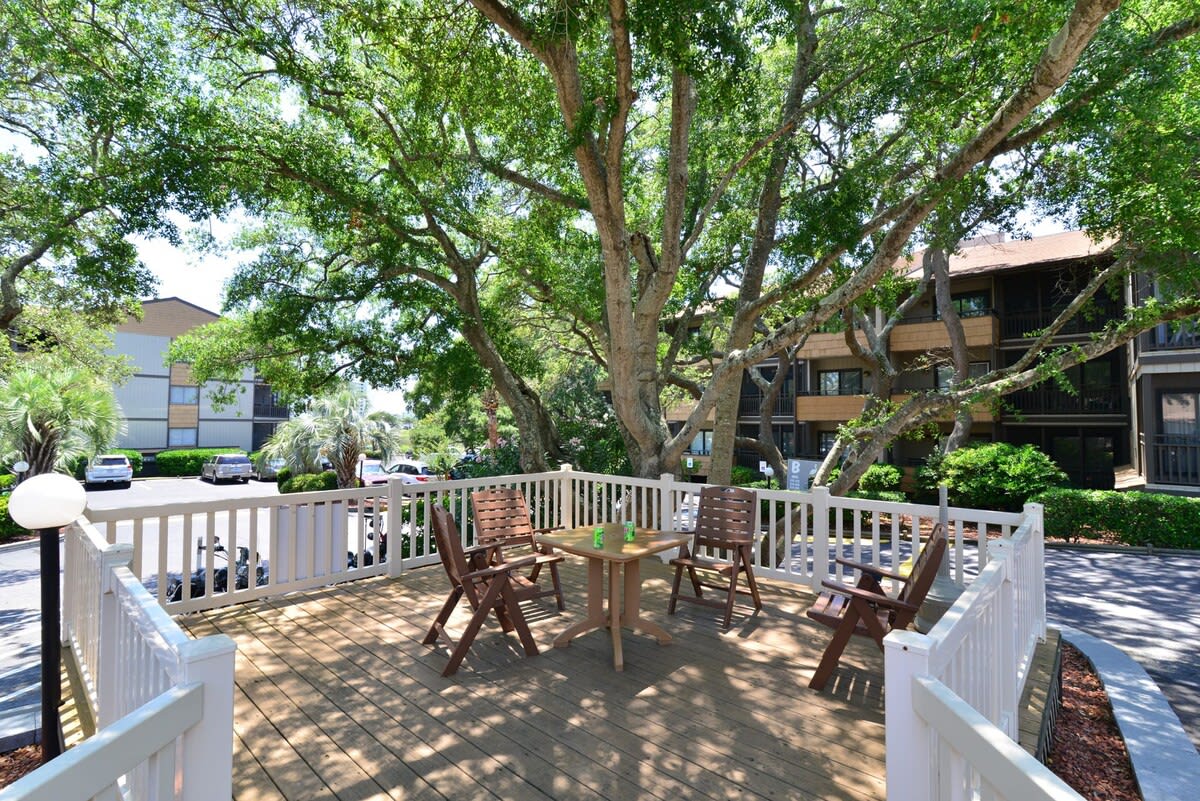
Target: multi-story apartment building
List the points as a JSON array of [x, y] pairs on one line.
[[1134, 406], [164, 408]]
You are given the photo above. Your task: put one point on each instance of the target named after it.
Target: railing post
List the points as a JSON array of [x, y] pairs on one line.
[[909, 742], [1035, 513], [107, 700], [666, 504], [820, 535], [395, 526], [1007, 632], [566, 498], [207, 764]]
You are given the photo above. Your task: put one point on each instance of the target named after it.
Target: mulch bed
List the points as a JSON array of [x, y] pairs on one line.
[[16, 764], [1088, 752]]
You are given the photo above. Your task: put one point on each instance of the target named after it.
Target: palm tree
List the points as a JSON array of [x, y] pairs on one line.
[[336, 427], [51, 414]]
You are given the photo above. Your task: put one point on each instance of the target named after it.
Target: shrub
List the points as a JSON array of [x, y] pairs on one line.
[[282, 475], [995, 475], [880, 478], [7, 481], [187, 462], [741, 476], [1135, 518], [8, 526], [309, 482]]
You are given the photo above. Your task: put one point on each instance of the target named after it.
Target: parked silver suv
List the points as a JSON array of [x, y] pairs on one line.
[[227, 467], [109, 468]]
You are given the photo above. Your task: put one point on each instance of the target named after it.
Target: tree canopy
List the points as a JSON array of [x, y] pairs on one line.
[[457, 191]]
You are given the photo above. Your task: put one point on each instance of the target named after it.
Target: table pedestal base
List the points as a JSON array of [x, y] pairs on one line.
[[624, 579]]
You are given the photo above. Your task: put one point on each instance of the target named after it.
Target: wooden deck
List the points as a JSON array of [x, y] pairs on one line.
[[337, 698]]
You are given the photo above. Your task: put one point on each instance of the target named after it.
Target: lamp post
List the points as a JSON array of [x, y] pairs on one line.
[[46, 503]]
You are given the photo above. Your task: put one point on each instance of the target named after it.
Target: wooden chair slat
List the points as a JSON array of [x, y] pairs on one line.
[[500, 592], [501, 515], [868, 611], [725, 522]]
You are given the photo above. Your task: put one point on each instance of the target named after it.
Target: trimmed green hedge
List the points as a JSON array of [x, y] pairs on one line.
[[8, 527], [309, 482], [1136, 518], [187, 462]]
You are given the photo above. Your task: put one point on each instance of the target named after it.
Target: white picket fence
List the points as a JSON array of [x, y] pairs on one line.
[[970, 668], [952, 705], [163, 702]]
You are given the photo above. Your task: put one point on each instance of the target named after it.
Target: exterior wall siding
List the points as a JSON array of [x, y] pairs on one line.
[[143, 397], [225, 433], [144, 435], [144, 352]]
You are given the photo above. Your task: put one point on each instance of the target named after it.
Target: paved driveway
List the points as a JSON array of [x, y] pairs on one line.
[[1149, 606]]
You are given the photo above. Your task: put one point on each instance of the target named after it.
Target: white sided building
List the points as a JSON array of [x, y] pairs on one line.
[[164, 408]]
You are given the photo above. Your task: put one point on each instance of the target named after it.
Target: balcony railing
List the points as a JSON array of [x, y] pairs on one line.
[[270, 410], [1167, 337], [1016, 325], [1173, 460], [1052, 400], [785, 405]]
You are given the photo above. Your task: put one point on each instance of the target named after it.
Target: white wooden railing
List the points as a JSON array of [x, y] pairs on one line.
[[952, 704], [210, 554], [978, 654], [163, 702]]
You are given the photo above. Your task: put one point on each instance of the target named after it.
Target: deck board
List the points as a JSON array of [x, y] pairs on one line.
[[337, 698]]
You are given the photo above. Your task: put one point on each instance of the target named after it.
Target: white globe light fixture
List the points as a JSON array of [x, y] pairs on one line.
[[46, 503], [51, 500]]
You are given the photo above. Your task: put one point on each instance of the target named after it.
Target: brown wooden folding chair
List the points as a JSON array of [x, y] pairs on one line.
[[489, 587], [866, 610], [502, 516], [725, 521]]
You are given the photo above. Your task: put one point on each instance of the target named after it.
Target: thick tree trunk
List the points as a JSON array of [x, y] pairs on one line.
[[939, 264]]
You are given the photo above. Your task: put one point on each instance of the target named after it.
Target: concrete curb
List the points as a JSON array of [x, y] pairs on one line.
[[1165, 763], [17, 546], [20, 727]]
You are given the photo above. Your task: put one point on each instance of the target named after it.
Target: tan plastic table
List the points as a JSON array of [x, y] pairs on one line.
[[624, 580]]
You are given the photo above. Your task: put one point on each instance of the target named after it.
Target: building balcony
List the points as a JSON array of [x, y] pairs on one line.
[[839, 408], [751, 405], [1049, 399], [1173, 460], [916, 335], [1022, 325], [1166, 337]]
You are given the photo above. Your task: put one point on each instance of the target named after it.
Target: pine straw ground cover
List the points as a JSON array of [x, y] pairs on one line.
[[1087, 753]]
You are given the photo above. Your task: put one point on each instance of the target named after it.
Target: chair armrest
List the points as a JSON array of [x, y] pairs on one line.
[[866, 595], [482, 547], [503, 567], [872, 569]]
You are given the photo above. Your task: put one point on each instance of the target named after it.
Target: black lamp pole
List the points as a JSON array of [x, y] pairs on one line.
[[51, 644]]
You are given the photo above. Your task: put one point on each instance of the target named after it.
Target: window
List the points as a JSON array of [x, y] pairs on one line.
[[943, 373], [1180, 415], [702, 444], [972, 304], [840, 382], [825, 441], [177, 437], [185, 394]]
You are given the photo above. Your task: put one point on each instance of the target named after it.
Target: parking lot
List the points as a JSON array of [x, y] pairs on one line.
[[160, 491]]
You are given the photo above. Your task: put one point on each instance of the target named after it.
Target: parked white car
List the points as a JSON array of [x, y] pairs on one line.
[[417, 471], [227, 467], [109, 468]]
